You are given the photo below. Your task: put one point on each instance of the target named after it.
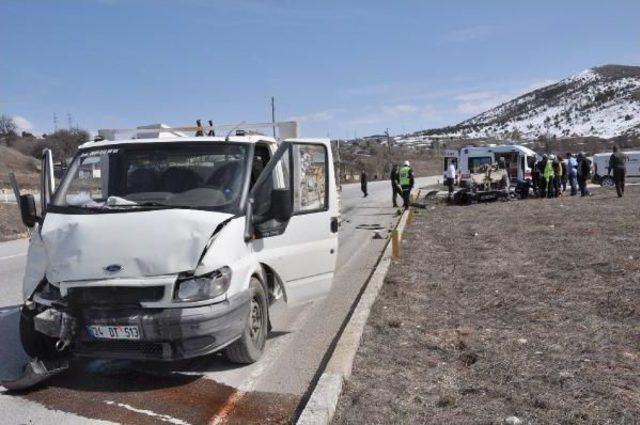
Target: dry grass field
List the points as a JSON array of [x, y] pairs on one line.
[[527, 309]]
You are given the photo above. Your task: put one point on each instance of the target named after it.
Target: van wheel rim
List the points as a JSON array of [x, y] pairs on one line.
[[256, 321]]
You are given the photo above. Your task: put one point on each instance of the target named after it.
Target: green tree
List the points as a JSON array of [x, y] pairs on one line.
[[8, 129], [64, 143]]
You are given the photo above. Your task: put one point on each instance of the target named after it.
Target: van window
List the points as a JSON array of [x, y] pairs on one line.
[[279, 178], [476, 163], [310, 178]]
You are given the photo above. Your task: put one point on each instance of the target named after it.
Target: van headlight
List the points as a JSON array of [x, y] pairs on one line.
[[205, 287]]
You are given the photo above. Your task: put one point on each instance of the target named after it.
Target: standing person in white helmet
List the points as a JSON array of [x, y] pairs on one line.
[[406, 182]]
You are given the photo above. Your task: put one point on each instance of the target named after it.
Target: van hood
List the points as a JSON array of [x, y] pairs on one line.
[[126, 244]]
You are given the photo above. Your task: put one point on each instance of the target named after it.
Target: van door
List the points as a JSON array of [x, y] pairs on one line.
[[302, 251]]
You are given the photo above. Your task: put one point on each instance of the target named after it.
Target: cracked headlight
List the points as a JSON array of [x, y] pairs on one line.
[[205, 287]]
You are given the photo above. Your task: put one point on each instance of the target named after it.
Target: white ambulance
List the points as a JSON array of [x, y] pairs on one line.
[[518, 160]]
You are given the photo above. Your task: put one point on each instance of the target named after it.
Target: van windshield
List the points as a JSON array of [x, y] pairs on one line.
[[200, 175]]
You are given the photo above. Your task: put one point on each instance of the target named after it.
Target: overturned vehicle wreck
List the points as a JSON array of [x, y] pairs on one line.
[[172, 248], [491, 183]]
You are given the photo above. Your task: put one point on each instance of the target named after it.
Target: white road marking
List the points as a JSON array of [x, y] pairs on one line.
[[163, 418], [13, 256], [265, 362]]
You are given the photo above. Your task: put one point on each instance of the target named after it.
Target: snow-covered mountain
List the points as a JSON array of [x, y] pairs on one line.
[[602, 102]]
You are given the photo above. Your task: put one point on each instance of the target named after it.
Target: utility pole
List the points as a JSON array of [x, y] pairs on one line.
[[69, 120], [55, 122], [339, 164], [388, 165], [388, 139], [273, 115]]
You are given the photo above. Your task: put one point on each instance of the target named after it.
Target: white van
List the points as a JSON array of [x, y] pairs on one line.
[[172, 248], [519, 161], [601, 168]]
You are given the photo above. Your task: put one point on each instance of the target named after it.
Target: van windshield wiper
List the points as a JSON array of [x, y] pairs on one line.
[[161, 205]]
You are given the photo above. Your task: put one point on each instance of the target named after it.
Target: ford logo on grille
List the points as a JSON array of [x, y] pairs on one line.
[[113, 268]]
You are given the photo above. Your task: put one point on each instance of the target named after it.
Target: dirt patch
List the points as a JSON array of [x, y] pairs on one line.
[[527, 308], [11, 226]]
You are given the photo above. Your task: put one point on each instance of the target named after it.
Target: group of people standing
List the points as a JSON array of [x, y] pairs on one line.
[[551, 174], [402, 182]]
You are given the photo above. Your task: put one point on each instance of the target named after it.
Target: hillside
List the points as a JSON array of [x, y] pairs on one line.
[[25, 167], [599, 102]]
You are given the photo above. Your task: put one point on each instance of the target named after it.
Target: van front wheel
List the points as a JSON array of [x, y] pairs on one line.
[[250, 346], [33, 342]]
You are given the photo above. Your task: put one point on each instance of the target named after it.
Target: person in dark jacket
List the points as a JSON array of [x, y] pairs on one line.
[[584, 172], [617, 164], [542, 182], [535, 174], [363, 184], [557, 176], [395, 185]]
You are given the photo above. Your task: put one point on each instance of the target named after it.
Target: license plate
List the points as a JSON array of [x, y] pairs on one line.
[[114, 332]]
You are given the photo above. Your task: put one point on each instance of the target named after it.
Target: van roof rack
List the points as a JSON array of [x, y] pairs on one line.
[[282, 130]]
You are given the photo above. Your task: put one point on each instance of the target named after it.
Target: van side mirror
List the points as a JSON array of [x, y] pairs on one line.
[[28, 211], [281, 204]]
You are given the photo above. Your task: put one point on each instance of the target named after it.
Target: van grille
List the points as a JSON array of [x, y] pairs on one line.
[[115, 295]]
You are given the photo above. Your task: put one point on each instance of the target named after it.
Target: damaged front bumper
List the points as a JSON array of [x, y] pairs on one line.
[[165, 334]]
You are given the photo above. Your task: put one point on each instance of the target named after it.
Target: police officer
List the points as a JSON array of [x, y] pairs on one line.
[[406, 182], [395, 184], [617, 164]]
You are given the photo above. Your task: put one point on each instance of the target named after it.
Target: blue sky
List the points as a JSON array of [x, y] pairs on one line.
[[339, 67]]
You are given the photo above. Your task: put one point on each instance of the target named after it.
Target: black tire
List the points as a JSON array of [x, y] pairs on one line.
[[607, 181], [250, 346], [33, 342]]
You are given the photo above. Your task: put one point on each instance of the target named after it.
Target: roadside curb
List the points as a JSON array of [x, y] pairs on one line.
[[323, 401]]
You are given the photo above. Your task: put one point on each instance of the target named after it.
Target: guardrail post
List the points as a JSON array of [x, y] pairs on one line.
[[395, 243]]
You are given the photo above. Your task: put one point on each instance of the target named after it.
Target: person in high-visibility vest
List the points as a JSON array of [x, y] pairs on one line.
[[406, 182]]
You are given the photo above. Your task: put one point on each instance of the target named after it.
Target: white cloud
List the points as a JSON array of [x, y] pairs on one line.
[[321, 116], [470, 33], [390, 114], [475, 95], [476, 102], [401, 109], [22, 123], [538, 85]]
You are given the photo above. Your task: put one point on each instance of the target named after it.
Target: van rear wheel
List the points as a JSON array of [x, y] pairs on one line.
[[250, 346], [607, 181]]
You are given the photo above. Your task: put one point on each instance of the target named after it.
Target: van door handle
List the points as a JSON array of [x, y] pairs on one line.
[[334, 224]]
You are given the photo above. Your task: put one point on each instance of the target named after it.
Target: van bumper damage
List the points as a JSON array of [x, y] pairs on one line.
[[165, 334]]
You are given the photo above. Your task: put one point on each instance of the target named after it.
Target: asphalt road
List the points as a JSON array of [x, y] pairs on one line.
[[209, 389]]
